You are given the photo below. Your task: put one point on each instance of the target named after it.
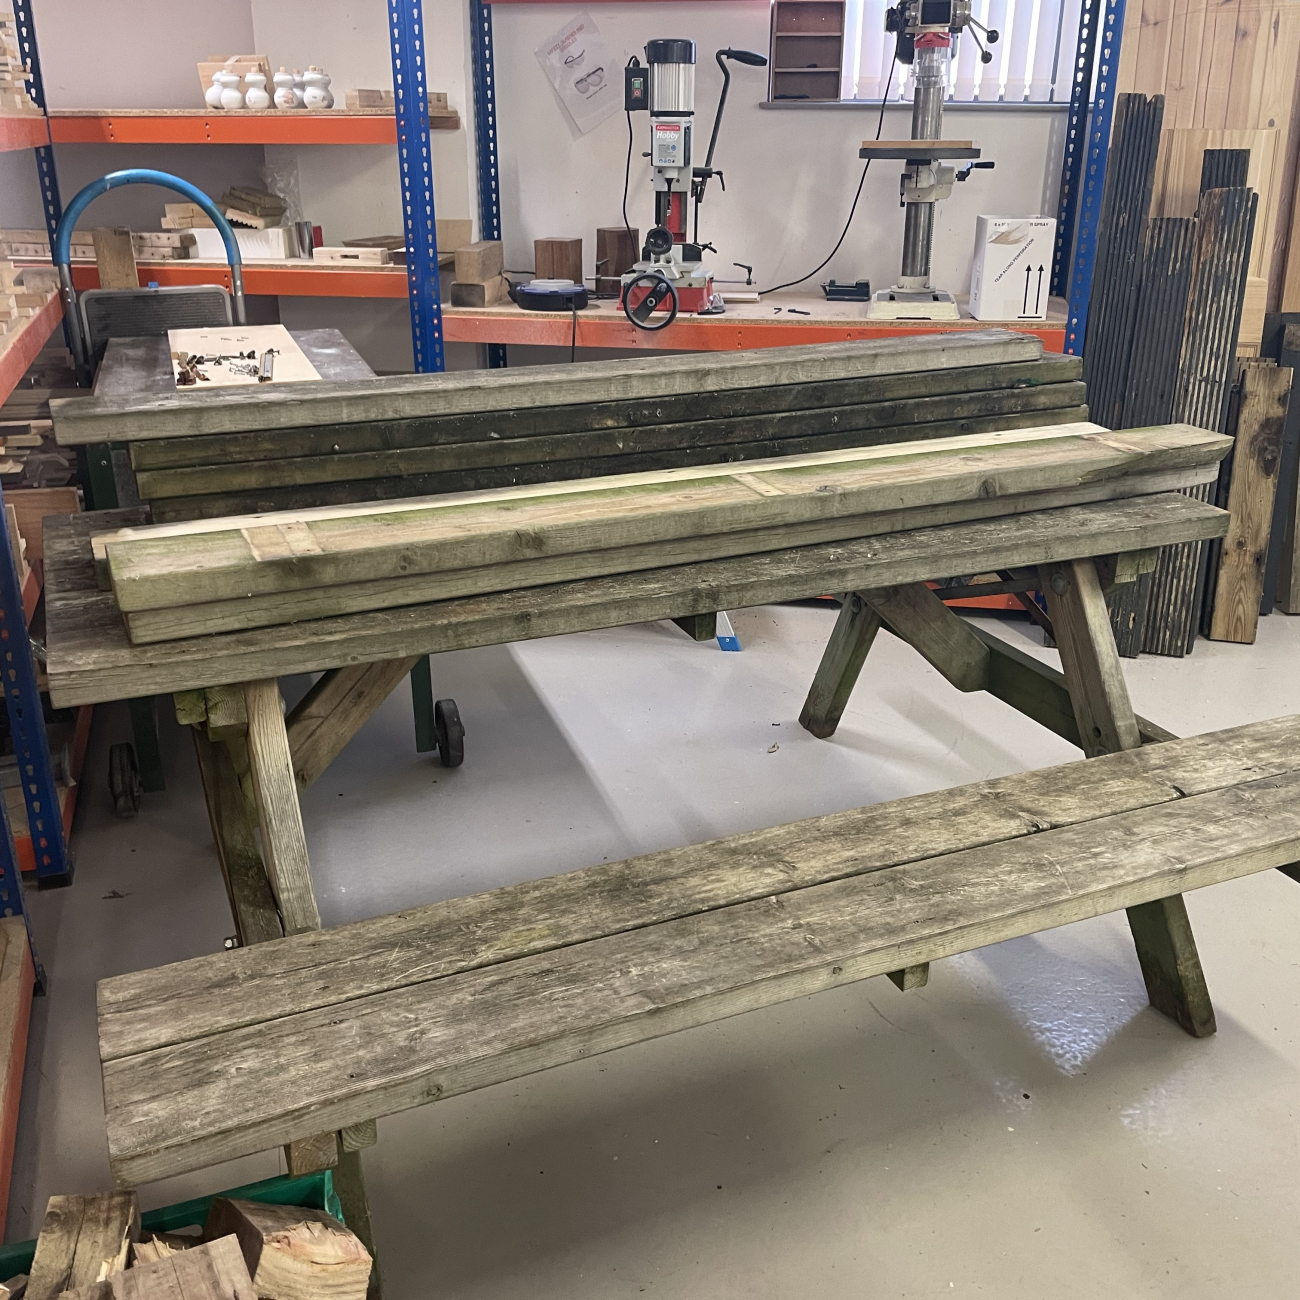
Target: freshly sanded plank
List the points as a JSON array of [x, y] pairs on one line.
[[155, 625], [148, 1010], [283, 840], [231, 1094], [92, 419], [521, 426], [483, 529], [227, 475], [90, 658]]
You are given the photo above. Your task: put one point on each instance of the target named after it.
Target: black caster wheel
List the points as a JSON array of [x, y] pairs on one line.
[[124, 780], [450, 732]]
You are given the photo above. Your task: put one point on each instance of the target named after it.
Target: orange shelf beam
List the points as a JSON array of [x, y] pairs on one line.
[[22, 131], [18, 350], [299, 280], [693, 333], [241, 126]]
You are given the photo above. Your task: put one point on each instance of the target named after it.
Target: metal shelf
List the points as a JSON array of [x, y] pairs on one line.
[[18, 350], [239, 126], [286, 279]]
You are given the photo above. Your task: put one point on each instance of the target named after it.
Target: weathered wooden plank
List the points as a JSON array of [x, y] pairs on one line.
[[886, 421], [1171, 965], [91, 419], [283, 840], [156, 625], [83, 1240], [841, 663], [523, 425], [201, 1102], [1091, 665], [699, 627], [1239, 584], [90, 659], [148, 1010], [220, 505], [351, 545], [333, 711], [214, 1270], [252, 904], [915, 613]]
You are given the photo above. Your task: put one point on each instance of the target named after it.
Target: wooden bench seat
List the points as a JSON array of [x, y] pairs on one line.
[[238, 1052]]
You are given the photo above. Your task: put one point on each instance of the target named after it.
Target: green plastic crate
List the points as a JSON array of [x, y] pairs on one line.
[[312, 1191]]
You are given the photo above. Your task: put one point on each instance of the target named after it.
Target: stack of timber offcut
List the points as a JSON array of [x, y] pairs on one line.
[[175, 581], [203, 456]]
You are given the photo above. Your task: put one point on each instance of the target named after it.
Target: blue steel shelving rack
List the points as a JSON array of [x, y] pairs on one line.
[[485, 139], [1083, 168]]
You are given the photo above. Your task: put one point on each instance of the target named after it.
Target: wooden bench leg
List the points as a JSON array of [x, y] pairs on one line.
[[699, 627], [1104, 715], [148, 753], [284, 845], [335, 708], [842, 661], [426, 734], [911, 977], [257, 918], [350, 1185]]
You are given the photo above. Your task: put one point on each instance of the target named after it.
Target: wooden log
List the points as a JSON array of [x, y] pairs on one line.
[[521, 424], [1239, 584], [293, 1252], [332, 712], [115, 258], [891, 421], [153, 570], [83, 1240], [487, 1025], [214, 1270], [154, 626], [283, 840], [481, 262], [556, 258], [140, 418]]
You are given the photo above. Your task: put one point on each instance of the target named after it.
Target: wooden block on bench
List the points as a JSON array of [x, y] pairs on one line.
[[337, 1026], [480, 263], [213, 1271], [558, 259], [480, 295], [83, 1240]]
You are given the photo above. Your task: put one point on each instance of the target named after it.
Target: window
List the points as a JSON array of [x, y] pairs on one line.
[[1032, 59]]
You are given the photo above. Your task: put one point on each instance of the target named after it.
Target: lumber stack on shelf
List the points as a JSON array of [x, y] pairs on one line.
[[180, 580], [379, 439]]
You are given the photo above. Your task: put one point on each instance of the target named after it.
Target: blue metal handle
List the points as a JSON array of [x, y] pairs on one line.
[[136, 176]]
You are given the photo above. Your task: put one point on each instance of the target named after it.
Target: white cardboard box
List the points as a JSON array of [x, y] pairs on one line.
[[275, 243], [1012, 270]]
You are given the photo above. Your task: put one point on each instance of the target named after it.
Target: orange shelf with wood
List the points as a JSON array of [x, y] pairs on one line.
[[19, 347], [240, 126], [293, 279], [22, 131], [783, 319]]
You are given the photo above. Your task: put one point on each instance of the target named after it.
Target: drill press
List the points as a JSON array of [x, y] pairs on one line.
[[925, 31], [671, 273]]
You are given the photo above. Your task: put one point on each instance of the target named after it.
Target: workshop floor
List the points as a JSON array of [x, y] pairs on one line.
[[1023, 1127]]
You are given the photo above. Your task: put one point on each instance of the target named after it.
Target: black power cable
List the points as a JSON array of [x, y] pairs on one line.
[[843, 234]]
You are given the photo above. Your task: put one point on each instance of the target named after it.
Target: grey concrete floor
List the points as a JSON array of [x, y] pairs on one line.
[[1023, 1127]]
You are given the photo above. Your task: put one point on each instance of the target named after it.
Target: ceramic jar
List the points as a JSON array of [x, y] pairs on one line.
[[284, 96], [231, 95], [299, 91], [317, 92], [212, 96], [256, 96]]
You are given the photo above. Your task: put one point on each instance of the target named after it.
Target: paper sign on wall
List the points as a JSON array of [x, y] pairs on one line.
[[587, 83]]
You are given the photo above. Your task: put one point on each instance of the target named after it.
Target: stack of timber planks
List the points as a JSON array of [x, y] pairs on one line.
[[176, 581], [1162, 336], [200, 457]]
